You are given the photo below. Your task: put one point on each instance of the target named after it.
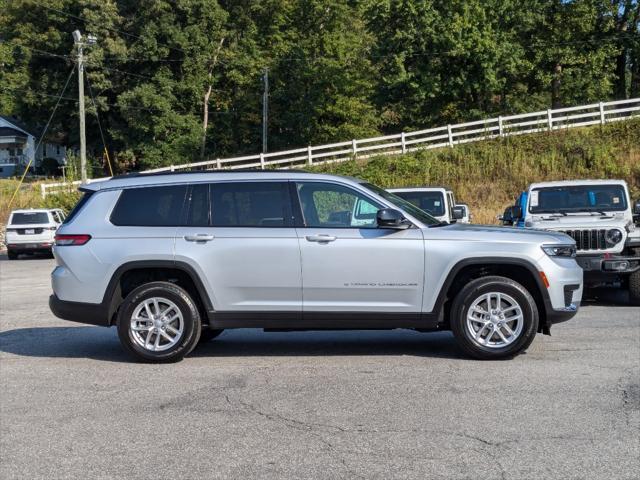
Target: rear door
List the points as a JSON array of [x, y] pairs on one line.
[[348, 263], [240, 237]]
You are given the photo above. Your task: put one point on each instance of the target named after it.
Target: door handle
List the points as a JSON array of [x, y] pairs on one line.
[[200, 237], [322, 238]]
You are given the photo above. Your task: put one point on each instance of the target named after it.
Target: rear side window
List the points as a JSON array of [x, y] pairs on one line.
[[250, 204], [150, 207], [29, 218], [198, 206]]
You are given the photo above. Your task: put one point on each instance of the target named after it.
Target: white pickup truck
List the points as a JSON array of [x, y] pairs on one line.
[[599, 215]]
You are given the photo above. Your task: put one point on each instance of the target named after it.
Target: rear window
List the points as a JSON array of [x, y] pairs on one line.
[[250, 204], [430, 202], [150, 207], [29, 218]]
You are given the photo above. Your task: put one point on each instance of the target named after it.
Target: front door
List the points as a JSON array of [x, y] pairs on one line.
[[240, 238], [348, 263]]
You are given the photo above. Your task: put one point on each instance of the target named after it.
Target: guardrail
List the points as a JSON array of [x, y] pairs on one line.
[[444, 136]]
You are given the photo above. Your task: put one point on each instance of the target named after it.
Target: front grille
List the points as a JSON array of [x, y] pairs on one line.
[[588, 239], [36, 231]]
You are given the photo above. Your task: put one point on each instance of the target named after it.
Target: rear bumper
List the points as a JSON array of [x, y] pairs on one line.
[[30, 247], [90, 313]]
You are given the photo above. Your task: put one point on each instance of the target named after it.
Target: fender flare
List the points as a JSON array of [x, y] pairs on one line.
[[112, 296]]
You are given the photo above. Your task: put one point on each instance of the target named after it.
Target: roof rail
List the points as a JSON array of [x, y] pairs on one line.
[[191, 172]]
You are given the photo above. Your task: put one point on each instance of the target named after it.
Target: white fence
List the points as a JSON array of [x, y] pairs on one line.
[[445, 136]]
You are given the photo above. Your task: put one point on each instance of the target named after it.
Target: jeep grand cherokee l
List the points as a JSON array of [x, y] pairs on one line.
[[173, 259]]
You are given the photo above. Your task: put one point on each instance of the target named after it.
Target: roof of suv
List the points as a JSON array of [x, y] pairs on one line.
[[139, 179], [419, 189], [570, 183]]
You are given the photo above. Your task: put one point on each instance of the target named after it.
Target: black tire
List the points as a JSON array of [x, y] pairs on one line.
[[634, 288], [12, 255], [207, 334], [476, 289], [190, 316]]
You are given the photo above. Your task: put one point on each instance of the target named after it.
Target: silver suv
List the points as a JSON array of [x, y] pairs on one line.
[[173, 259]]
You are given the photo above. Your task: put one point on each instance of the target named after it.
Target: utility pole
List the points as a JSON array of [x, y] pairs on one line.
[[265, 109], [78, 42]]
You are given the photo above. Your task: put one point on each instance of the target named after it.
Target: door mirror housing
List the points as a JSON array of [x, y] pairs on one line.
[[458, 213], [510, 215], [392, 218]]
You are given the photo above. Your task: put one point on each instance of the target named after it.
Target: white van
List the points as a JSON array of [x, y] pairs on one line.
[[32, 231]]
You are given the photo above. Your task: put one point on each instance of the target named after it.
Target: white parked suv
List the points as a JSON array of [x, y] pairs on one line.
[[172, 259], [599, 215], [32, 231], [439, 202]]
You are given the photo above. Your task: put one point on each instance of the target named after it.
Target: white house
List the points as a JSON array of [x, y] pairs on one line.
[[17, 148]]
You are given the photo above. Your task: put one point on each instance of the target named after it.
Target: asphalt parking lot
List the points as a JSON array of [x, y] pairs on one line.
[[372, 405]]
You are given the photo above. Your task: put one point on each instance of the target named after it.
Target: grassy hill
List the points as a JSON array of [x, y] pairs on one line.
[[489, 175]]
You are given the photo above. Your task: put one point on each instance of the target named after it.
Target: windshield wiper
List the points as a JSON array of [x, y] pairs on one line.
[[556, 213], [439, 224]]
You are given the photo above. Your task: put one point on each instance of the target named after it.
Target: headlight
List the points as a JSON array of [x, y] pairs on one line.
[[613, 237], [560, 250]]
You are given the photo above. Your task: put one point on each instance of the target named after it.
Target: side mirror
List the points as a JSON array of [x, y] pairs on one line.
[[636, 208], [507, 217], [516, 212], [458, 213], [391, 218]]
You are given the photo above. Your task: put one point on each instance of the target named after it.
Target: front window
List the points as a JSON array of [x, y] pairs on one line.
[[579, 198], [29, 218], [403, 204], [327, 205], [430, 202]]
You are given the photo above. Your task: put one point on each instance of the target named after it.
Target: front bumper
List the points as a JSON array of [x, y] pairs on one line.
[[90, 313], [608, 263], [561, 315]]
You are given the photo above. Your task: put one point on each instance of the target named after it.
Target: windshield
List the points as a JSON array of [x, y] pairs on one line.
[[401, 203], [430, 202], [579, 198], [29, 218]]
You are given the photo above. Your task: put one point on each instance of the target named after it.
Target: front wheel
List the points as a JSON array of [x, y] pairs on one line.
[[159, 322], [12, 255], [494, 318]]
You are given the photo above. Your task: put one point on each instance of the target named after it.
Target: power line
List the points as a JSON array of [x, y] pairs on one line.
[[116, 105], [121, 32], [104, 143], [44, 132]]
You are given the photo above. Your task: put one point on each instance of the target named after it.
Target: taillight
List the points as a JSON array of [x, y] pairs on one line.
[[69, 240]]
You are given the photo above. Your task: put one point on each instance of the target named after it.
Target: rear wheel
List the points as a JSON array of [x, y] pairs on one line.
[[12, 255], [159, 322], [494, 318]]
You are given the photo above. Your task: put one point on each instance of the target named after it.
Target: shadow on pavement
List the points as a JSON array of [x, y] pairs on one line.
[[102, 344], [606, 297]]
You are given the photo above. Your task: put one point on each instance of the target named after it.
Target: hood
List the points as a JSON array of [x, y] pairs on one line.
[[466, 231], [580, 221]]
